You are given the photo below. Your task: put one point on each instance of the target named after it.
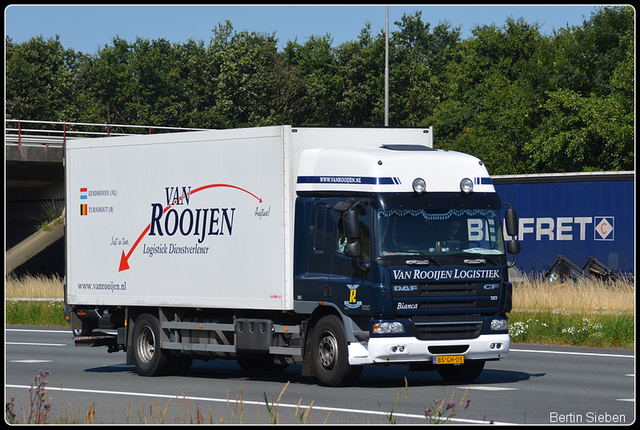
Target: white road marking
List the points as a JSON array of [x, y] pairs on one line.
[[246, 402], [35, 344], [41, 331], [488, 388], [30, 361], [593, 354]]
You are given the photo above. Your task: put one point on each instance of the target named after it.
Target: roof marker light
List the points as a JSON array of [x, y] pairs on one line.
[[419, 185], [466, 185]]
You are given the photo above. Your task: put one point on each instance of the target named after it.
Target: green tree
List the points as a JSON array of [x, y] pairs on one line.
[[194, 83], [137, 83], [588, 118], [371, 78], [244, 85], [418, 58], [109, 75], [489, 106], [586, 56], [41, 80], [316, 61], [520, 101], [582, 134]]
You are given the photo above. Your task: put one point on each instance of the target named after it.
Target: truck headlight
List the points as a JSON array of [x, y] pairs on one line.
[[499, 324], [419, 185], [466, 185], [388, 327]]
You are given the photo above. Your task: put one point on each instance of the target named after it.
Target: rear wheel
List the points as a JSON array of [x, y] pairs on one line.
[[330, 356], [149, 358], [466, 372]]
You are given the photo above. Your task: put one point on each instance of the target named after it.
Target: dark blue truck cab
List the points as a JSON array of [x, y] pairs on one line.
[[409, 254]]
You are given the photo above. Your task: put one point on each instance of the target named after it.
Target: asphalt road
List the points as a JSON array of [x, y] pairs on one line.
[[536, 384]]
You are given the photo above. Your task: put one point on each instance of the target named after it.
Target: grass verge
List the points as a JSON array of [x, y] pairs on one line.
[[47, 313], [587, 313], [560, 327]]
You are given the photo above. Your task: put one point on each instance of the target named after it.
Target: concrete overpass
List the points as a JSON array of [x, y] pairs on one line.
[[34, 188]]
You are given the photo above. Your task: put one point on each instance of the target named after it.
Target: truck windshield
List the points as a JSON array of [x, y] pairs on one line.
[[440, 225]]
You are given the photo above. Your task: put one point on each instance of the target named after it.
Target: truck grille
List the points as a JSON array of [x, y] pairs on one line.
[[426, 297], [435, 290], [447, 328]]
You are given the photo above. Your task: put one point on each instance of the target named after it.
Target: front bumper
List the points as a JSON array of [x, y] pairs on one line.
[[399, 350]]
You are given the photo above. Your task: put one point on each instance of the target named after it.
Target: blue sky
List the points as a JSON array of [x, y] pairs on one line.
[[89, 28]]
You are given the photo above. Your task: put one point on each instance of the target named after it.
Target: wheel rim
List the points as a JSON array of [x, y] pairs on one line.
[[146, 345], [327, 350]]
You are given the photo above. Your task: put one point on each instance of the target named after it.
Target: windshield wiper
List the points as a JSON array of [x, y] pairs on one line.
[[476, 261], [423, 255], [479, 261]]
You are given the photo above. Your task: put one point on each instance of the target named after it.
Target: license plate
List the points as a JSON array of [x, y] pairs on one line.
[[448, 359]]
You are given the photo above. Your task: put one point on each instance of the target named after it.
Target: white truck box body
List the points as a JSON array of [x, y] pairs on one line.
[[197, 219]]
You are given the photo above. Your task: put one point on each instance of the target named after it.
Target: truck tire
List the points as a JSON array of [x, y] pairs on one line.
[[181, 365], [329, 354], [149, 359], [466, 372]]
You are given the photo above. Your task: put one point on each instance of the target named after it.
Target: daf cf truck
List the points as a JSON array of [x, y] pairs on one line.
[[331, 248]]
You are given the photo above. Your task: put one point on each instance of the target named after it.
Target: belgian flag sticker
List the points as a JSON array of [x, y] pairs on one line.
[[83, 196]]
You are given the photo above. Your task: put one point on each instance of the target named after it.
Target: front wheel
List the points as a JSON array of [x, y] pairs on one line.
[[149, 359], [466, 372], [330, 356]]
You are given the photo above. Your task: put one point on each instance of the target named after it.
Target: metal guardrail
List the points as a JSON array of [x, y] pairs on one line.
[[55, 133]]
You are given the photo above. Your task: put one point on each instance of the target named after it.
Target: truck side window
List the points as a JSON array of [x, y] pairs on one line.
[[319, 226], [365, 243]]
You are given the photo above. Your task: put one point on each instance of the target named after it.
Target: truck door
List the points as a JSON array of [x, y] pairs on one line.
[[350, 279], [313, 282], [329, 275]]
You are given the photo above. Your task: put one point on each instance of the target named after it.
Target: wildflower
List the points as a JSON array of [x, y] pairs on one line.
[[37, 399], [444, 411], [9, 414]]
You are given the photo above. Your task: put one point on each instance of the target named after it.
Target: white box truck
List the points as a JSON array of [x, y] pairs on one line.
[[332, 248]]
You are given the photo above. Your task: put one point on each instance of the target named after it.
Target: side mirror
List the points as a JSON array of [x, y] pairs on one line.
[[513, 247], [352, 249], [511, 219], [351, 224]]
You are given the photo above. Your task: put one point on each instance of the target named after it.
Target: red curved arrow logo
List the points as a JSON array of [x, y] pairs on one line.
[[124, 259]]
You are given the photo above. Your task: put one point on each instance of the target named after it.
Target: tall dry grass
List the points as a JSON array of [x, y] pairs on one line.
[[589, 295], [531, 294], [34, 286]]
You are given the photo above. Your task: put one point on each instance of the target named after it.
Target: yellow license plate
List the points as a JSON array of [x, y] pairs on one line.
[[448, 359]]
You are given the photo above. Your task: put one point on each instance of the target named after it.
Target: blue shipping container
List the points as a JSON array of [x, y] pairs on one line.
[[578, 215]]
